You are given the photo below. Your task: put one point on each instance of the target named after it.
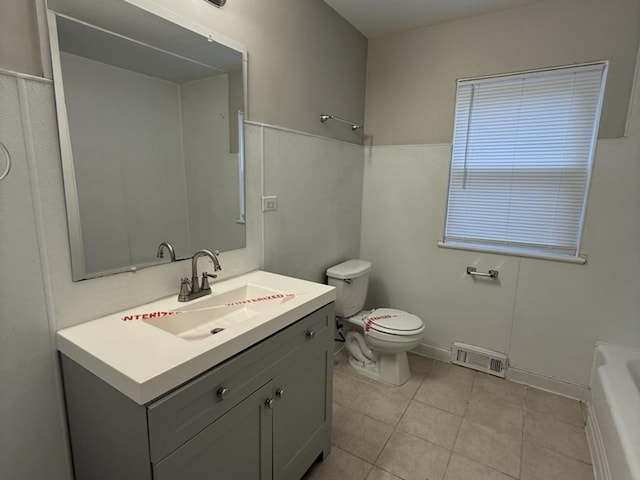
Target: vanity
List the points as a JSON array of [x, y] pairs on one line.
[[148, 398]]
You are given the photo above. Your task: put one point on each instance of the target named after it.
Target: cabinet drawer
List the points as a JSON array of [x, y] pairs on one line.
[[180, 415]]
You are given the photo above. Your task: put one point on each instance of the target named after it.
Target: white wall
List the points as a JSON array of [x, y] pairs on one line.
[[32, 425], [211, 170], [119, 142], [546, 315], [565, 310], [318, 183]]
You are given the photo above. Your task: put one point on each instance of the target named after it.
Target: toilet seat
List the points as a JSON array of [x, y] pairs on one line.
[[390, 321]]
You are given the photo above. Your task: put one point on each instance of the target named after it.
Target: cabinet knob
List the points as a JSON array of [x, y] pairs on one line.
[[223, 393], [310, 334], [269, 403], [280, 392]]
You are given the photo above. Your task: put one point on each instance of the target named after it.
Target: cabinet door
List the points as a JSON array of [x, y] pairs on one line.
[[302, 413], [236, 446], [178, 416]]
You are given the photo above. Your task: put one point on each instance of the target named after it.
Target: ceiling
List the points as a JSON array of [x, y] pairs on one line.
[[376, 18]]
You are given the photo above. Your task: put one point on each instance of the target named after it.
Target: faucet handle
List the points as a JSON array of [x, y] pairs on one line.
[[185, 290], [205, 281]]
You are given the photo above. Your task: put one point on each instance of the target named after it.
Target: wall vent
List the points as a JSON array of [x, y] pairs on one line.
[[478, 358]]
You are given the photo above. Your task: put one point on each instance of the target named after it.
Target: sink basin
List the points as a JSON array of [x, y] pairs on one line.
[[215, 313]]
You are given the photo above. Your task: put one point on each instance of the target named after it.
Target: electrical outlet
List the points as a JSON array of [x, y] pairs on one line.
[[269, 204]]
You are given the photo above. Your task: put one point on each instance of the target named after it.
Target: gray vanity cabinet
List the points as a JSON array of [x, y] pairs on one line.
[[264, 414], [238, 445]]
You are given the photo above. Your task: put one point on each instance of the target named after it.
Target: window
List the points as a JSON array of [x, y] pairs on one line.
[[521, 159]]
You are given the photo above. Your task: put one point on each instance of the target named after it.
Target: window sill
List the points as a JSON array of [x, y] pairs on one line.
[[496, 251]]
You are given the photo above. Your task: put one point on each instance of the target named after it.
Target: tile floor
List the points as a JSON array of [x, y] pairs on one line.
[[451, 423]]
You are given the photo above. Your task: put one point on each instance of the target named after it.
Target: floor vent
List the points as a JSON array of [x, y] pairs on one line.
[[479, 359]]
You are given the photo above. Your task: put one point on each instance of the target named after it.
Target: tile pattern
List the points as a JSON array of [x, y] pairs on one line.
[[451, 423]]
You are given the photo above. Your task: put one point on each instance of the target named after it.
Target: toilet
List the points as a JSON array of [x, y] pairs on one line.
[[379, 339]]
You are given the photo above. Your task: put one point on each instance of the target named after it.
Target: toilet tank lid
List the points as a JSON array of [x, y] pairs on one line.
[[349, 269]]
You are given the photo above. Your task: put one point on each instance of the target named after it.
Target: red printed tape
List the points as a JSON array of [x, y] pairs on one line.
[[370, 320], [149, 315], [146, 316], [277, 296]]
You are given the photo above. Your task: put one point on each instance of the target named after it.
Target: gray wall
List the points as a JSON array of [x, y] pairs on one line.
[[304, 58], [295, 73], [19, 40], [411, 77]]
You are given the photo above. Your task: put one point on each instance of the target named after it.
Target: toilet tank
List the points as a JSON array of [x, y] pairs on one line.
[[351, 279]]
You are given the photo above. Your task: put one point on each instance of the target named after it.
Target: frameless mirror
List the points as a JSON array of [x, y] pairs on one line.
[[151, 124]]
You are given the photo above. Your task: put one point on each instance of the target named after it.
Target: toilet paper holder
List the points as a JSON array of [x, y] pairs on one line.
[[473, 271]]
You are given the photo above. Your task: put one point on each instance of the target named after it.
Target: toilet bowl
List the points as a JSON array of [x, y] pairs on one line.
[[379, 344], [377, 340]]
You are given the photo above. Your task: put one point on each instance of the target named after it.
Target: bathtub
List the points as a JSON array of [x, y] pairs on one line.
[[613, 424]]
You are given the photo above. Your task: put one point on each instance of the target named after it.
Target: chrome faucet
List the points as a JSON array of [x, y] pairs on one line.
[[168, 246], [192, 289]]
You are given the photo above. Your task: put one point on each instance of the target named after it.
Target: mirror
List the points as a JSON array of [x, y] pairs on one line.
[[151, 123]]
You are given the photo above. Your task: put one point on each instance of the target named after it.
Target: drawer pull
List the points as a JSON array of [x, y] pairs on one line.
[[223, 393], [269, 403], [280, 392], [310, 334]]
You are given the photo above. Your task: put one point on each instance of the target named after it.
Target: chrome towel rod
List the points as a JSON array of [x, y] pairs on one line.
[[324, 117], [473, 271]]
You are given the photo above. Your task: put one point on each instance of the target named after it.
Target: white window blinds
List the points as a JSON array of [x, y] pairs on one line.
[[522, 152]]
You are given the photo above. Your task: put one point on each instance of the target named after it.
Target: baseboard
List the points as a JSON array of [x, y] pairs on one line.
[[518, 375], [550, 384], [596, 446], [439, 353]]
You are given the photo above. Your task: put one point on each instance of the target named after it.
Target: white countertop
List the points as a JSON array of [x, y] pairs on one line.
[[143, 361]]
